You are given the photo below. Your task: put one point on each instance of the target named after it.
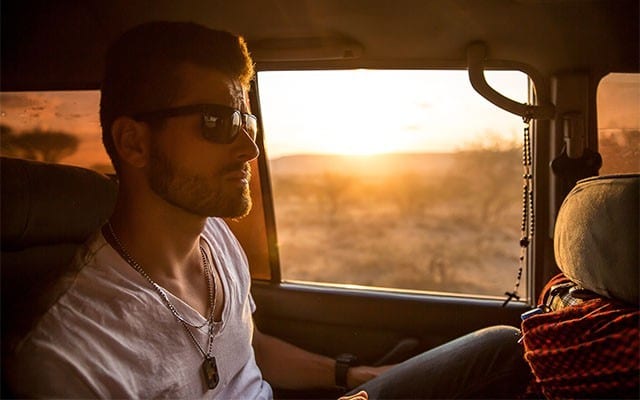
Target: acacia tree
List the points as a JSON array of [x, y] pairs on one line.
[[39, 145], [7, 138]]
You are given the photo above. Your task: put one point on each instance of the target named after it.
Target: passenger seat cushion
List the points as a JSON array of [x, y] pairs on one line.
[[596, 238], [46, 203], [48, 211]]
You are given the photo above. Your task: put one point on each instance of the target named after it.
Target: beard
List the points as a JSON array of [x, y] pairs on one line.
[[200, 194]]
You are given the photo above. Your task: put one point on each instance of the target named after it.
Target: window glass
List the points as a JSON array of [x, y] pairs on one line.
[[64, 127], [619, 123], [58, 127], [395, 179]]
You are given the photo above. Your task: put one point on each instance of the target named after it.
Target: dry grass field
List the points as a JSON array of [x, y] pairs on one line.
[[434, 222]]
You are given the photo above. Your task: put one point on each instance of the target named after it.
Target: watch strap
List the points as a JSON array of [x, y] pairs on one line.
[[343, 363]]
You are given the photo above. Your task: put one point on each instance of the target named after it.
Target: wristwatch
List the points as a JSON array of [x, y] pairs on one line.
[[343, 363]]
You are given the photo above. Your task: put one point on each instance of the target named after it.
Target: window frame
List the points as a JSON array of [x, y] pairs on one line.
[[272, 259]]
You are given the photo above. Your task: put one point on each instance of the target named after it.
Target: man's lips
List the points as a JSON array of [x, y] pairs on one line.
[[243, 175]]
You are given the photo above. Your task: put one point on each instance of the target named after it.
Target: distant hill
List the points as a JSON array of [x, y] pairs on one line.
[[380, 164]]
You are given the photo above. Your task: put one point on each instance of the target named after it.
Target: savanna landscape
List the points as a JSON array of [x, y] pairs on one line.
[[445, 222]]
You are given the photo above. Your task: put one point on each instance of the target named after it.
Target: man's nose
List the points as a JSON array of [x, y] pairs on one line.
[[245, 147]]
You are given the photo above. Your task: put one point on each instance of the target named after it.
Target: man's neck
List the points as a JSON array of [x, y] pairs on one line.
[[162, 238]]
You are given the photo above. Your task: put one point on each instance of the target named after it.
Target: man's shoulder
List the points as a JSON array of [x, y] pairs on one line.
[[81, 288]]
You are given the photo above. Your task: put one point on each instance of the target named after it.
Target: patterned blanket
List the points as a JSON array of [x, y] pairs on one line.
[[584, 350]]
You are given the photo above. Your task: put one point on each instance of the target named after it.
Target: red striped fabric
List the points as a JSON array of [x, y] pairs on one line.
[[588, 350]]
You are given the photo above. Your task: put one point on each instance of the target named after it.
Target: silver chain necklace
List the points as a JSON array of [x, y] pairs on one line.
[[209, 365]]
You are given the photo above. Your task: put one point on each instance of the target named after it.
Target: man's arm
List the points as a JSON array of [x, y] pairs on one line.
[[286, 366]]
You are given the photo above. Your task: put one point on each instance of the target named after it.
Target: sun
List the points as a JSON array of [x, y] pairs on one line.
[[358, 141]]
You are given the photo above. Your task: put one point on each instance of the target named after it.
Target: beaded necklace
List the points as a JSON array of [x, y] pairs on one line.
[[528, 218]]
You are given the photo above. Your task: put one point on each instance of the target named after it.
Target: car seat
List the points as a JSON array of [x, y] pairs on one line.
[[596, 240], [47, 211], [587, 343]]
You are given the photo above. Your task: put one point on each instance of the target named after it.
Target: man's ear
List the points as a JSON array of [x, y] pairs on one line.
[[131, 140]]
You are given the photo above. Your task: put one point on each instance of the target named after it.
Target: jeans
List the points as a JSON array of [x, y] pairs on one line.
[[487, 363]]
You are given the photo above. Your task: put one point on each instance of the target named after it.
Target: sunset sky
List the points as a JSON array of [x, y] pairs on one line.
[[70, 111], [354, 112], [373, 111]]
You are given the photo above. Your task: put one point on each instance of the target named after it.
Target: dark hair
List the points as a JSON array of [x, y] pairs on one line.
[[142, 66]]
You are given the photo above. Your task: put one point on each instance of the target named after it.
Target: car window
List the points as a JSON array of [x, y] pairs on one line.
[[395, 179], [64, 127], [58, 127], [618, 102]]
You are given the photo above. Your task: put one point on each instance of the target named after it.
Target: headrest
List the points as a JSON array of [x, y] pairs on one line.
[[48, 203], [596, 237]]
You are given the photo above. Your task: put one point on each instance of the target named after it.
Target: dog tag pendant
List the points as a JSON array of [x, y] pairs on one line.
[[210, 371]]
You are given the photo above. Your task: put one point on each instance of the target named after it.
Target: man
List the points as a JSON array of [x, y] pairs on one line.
[[161, 305]]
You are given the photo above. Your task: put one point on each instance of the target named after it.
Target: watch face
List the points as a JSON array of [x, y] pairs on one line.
[[346, 358]]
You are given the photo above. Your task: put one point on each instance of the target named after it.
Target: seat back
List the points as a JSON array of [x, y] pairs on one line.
[[47, 212], [596, 240]]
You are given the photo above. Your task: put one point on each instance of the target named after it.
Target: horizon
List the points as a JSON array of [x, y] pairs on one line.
[[376, 155], [333, 117]]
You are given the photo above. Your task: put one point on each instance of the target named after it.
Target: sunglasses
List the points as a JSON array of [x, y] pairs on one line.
[[220, 124]]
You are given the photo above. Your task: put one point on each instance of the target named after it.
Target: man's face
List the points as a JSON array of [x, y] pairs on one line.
[[192, 173]]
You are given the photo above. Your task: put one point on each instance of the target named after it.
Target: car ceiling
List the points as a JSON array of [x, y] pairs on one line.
[[60, 44]]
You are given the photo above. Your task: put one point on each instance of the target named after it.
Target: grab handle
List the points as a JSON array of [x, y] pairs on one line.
[[476, 57]]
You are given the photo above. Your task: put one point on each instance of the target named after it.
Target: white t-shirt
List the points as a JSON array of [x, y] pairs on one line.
[[110, 335]]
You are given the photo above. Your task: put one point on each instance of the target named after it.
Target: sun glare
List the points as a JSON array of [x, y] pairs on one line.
[[367, 112], [374, 142]]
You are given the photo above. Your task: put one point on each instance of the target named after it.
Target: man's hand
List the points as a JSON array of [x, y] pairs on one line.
[[286, 366], [356, 376], [361, 395]]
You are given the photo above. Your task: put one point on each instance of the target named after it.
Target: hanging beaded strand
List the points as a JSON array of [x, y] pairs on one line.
[[528, 220]]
